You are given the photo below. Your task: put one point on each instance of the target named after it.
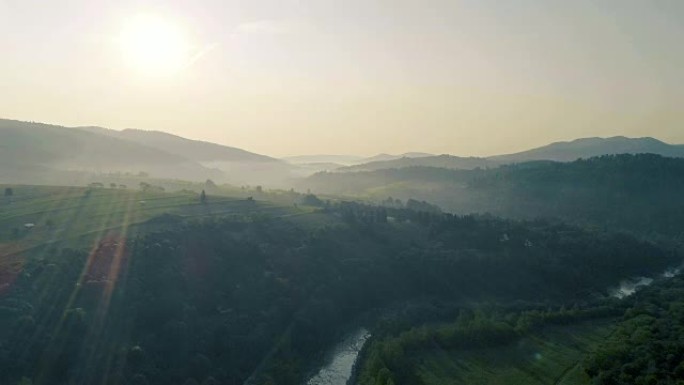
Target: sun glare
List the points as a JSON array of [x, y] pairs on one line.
[[154, 46]]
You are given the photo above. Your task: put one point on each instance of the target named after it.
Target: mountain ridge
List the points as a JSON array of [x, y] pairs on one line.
[[196, 150], [96, 149], [69, 149], [562, 151], [565, 151]]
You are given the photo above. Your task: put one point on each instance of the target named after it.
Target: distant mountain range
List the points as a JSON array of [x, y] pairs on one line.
[[559, 151], [68, 149], [46, 149], [341, 160], [388, 157], [590, 147], [28, 150], [349, 160], [441, 161]]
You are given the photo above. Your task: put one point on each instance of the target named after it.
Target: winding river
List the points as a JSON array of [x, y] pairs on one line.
[[338, 368]]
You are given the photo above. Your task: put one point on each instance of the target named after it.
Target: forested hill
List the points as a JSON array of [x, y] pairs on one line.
[[253, 299], [636, 192]]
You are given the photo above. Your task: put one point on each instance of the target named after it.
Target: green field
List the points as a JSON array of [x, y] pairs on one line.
[[38, 216], [66, 212], [550, 356]]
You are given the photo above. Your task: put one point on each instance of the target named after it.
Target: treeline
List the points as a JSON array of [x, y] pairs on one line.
[[259, 300], [476, 250]]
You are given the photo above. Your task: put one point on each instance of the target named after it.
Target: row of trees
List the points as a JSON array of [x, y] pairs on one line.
[[389, 359]]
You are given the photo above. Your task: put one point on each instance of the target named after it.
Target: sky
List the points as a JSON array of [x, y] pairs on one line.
[[291, 77]]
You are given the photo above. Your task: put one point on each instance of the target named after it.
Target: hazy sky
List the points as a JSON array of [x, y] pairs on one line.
[[284, 77]]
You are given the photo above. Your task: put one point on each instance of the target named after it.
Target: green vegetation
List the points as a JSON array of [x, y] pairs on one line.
[[490, 347], [238, 290], [648, 346], [60, 213], [632, 341], [39, 220], [167, 282], [548, 356]]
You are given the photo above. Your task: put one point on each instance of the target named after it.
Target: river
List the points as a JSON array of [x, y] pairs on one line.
[[338, 368]]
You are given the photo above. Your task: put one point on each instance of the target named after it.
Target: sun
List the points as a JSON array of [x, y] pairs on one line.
[[154, 46]]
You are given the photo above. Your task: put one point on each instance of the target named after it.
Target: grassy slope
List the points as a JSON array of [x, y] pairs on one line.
[[68, 216], [551, 356]]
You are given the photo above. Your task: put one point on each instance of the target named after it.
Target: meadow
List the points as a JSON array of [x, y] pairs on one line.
[[34, 217]]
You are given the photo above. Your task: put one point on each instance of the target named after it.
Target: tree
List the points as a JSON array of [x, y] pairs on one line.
[[112, 185], [312, 200], [9, 192], [203, 197]]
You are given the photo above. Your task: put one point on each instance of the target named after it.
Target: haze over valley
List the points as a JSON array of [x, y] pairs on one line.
[[40, 150], [301, 192]]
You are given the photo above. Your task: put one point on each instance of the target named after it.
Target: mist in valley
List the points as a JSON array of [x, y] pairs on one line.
[[341, 193]]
